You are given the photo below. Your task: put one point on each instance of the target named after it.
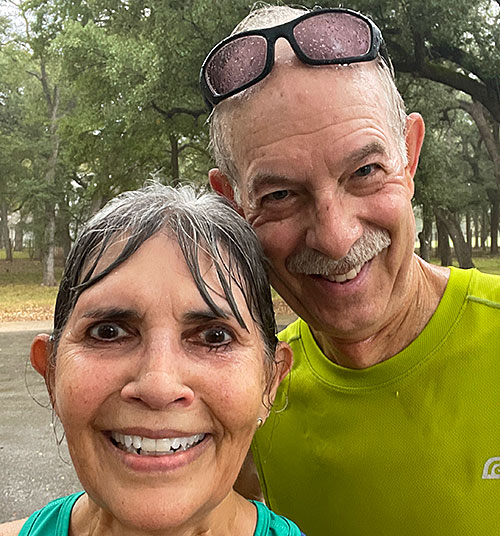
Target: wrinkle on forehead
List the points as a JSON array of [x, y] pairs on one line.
[[294, 95]]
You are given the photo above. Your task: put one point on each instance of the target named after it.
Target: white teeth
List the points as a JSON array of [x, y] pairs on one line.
[[148, 444], [340, 278], [155, 447], [352, 274], [163, 445]]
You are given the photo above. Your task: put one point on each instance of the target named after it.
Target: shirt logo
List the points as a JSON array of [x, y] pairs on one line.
[[492, 469]]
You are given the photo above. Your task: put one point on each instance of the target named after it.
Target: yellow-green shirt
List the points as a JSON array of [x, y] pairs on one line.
[[408, 447]]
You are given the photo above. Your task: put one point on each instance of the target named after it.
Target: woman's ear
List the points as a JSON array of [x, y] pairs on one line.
[[40, 357], [283, 360]]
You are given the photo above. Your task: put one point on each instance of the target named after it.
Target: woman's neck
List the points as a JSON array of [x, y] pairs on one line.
[[234, 515]]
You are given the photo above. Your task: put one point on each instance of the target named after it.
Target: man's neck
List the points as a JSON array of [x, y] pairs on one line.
[[423, 298]]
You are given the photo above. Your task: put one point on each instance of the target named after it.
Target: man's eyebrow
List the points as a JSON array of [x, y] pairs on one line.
[[373, 148], [261, 180], [111, 313]]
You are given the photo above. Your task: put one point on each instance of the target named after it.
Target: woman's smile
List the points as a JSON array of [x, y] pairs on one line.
[[144, 454]]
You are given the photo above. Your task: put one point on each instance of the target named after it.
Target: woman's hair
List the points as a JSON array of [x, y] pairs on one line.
[[201, 223]]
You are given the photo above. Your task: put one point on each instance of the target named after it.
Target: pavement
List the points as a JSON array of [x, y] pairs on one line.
[[9, 327], [33, 469]]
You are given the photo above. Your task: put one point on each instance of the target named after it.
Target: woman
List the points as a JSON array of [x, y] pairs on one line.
[[162, 363]]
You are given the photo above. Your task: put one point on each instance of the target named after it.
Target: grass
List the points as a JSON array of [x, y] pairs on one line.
[[23, 298]]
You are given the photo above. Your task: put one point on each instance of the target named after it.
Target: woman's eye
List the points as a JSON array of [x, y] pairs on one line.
[[107, 332], [215, 337]]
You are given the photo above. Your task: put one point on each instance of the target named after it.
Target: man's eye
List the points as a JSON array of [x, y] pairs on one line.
[[107, 332], [364, 171], [276, 196]]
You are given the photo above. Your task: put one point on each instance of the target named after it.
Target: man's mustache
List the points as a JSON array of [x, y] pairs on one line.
[[310, 261]]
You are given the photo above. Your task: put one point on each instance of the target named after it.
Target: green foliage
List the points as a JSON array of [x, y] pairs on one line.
[[130, 110]]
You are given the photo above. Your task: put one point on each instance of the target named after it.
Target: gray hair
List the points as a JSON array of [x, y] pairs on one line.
[[200, 223], [221, 118]]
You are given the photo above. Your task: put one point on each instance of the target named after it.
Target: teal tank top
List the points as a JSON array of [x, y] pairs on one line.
[[53, 520]]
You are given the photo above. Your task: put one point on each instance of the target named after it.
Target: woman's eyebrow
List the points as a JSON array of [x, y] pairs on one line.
[[111, 313], [207, 315]]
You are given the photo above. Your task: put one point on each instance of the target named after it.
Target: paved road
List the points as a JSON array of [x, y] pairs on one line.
[[31, 469]]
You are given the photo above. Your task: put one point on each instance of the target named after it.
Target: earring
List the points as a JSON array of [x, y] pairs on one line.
[[260, 422]]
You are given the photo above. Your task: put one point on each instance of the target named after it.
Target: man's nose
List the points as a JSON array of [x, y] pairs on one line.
[[334, 226], [161, 378]]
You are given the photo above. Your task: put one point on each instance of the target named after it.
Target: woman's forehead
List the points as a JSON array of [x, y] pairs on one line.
[[158, 271]]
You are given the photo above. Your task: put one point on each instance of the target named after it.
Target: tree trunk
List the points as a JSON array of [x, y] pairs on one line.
[[5, 230], [425, 235], [174, 159], [468, 231], [48, 258], [48, 249], [444, 250], [494, 221], [452, 225], [476, 230], [19, 237], [62, 229], [484, 229]]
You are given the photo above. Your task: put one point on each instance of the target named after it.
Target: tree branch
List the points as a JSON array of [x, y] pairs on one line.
[[476, 111], [168, 114], [440, 73]]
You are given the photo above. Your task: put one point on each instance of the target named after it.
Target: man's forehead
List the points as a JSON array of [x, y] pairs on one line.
[[293, 87]]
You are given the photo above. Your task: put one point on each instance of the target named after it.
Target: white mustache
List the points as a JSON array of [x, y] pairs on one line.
[[310, 261]]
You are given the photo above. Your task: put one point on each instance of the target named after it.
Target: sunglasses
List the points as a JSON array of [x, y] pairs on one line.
[[320, 37]]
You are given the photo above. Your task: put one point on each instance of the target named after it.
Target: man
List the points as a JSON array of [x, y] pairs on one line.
[[387, 424]]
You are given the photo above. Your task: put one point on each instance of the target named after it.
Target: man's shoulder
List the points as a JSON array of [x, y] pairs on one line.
[[292, 332], [484, 288]]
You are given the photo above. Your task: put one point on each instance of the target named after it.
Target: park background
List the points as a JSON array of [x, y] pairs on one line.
[[98, 96]]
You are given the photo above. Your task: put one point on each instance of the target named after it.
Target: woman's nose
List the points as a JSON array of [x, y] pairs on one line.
[[161, 379]]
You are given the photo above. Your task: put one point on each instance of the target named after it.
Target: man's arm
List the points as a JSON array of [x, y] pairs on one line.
[[247, 483]]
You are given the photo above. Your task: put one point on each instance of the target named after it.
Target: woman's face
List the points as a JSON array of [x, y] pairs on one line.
[[159, 398]]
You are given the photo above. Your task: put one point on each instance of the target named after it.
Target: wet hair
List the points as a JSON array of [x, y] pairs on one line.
[[224, 114], [201, 223]]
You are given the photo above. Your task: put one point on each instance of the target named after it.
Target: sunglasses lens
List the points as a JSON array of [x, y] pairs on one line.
[[236, 64], [332, 36]]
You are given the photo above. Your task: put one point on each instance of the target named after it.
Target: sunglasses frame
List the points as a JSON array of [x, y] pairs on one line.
[[271, 35]]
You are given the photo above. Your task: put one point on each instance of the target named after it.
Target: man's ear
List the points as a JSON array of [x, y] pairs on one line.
[[40, 355], [283, 360], [222, 185], [415, 132]]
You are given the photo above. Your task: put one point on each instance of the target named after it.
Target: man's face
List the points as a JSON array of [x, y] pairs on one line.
[[321, 179]]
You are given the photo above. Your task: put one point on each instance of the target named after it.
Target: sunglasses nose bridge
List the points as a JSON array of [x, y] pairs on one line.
[[277, 41]]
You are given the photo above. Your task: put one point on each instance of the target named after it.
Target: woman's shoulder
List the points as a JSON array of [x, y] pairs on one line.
[[55, 514], [12, 528], [271, 524]]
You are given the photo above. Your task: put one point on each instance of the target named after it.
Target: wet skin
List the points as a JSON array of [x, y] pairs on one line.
[[142, 354]]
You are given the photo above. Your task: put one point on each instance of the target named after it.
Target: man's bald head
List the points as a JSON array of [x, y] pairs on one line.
[[228, 113]]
